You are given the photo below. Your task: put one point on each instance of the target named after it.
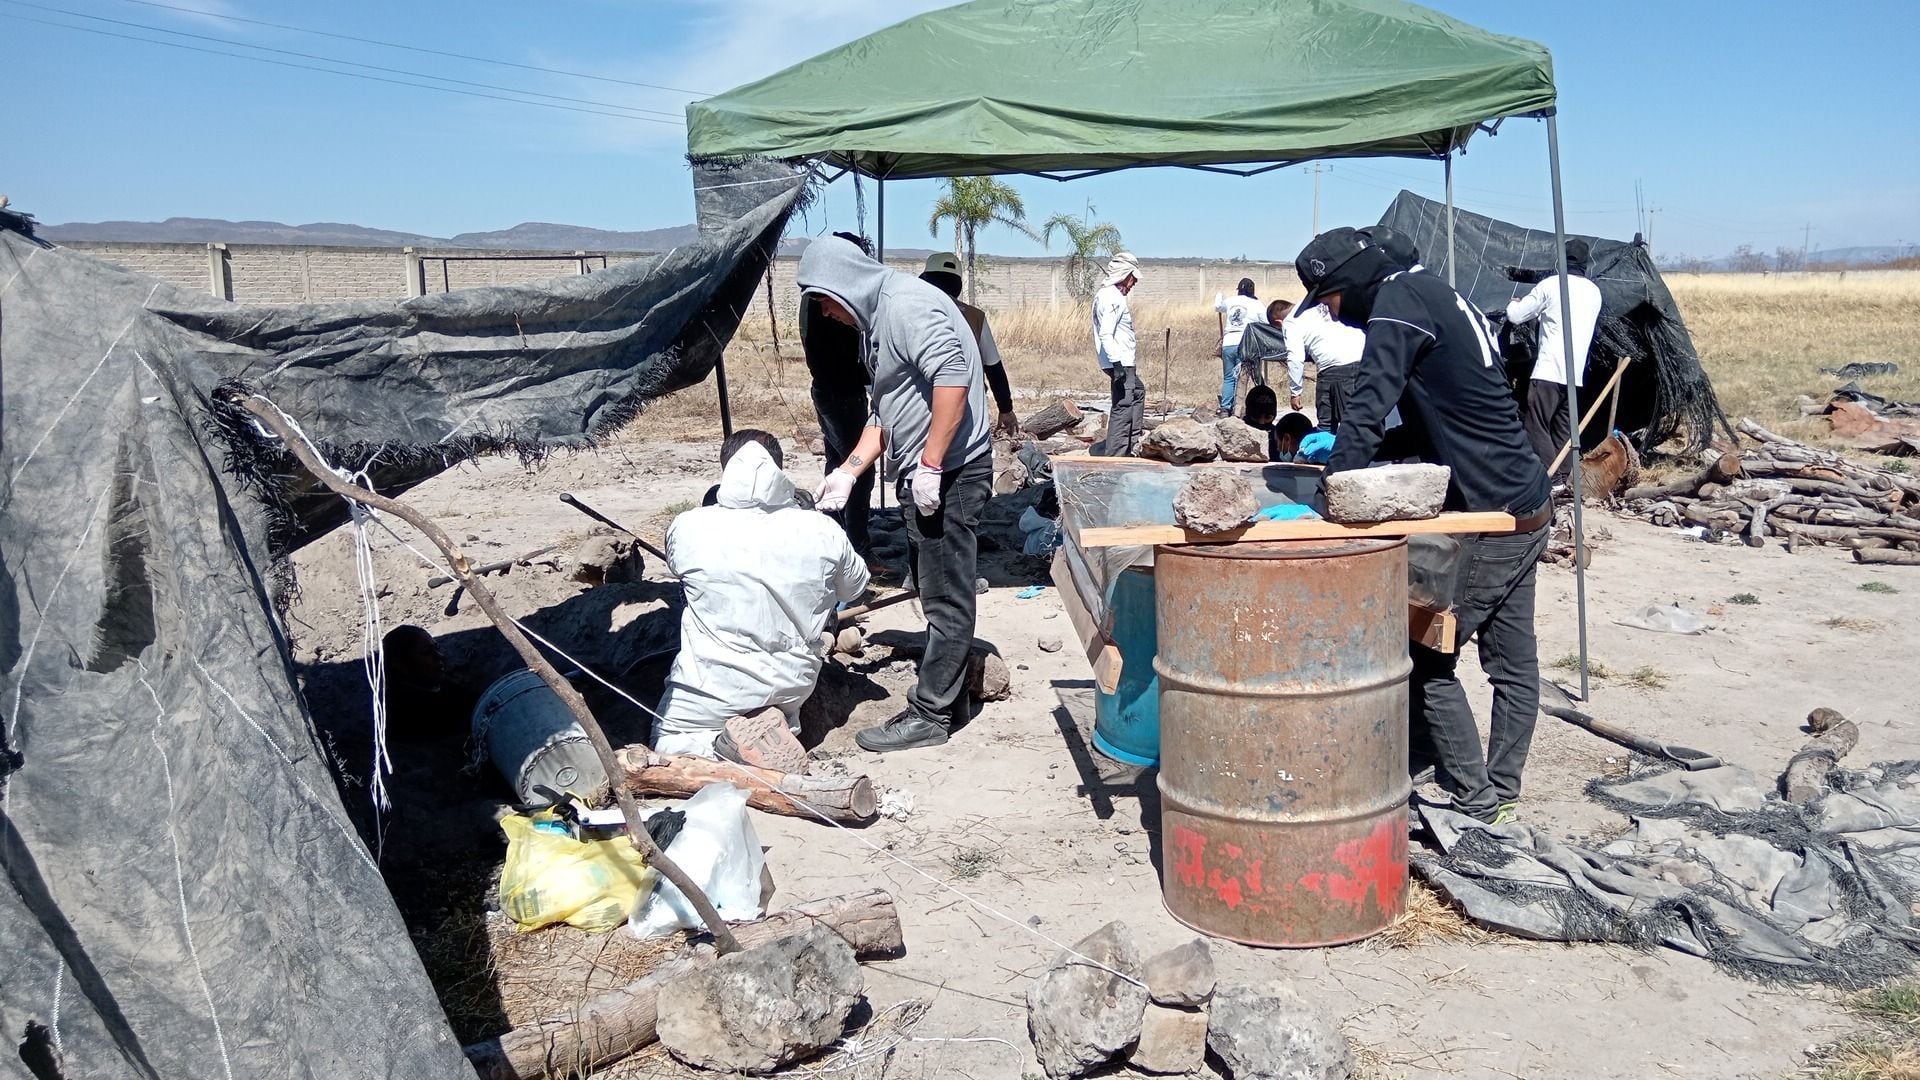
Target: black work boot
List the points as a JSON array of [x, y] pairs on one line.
[[907, 731]]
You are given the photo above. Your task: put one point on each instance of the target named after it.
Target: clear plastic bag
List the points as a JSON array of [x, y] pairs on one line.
[[718, 849], [1664, 619]]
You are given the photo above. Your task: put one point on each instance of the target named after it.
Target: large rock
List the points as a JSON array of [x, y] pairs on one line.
[[1182, 975], [1267, 1032], [1081, 1016], [1173, 1042], [607, 560], [987, 676], [1214, 501], [1387, 493], [755, 1011], [1182, 441], [1239, 440]]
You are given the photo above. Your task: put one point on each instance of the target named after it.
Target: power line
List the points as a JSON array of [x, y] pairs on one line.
[[335, 71], [336, 60], [420, 49]]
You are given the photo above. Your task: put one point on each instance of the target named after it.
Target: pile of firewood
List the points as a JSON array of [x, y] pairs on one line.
[[1788, 489]]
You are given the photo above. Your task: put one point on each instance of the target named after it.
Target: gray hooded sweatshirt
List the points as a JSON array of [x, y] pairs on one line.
[[916, 340]]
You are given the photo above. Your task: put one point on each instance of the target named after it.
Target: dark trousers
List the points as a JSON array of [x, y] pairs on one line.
[[946, 557], [1548, 425], [1127, 417], [1332, 385], [843, 417], [1495, 605]]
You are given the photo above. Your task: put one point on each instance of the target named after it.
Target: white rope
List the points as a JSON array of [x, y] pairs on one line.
[[53, 1025], [180, 875], [84, 383]]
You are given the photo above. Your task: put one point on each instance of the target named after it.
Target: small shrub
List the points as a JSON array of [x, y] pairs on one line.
[[1877, 587], [1743, 598]]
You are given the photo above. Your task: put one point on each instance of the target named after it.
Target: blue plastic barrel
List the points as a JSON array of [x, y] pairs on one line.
[[1126, 723]]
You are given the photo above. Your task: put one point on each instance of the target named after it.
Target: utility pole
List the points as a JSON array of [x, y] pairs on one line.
[[1318, 168], [1806, 238], [1652, 212]]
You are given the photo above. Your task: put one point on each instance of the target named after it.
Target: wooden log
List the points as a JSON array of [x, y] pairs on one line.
[[1908, 535], [1806, 777], [1723, 469], [1052, 420], [1825, 534], [849, 800], [1888, 558], [1867, 543], [614, 1024], [1450, 522]]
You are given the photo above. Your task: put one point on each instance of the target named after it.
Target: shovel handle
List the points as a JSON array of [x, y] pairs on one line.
[[1686, 757]]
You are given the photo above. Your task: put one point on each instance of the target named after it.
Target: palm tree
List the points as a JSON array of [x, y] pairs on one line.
[[972, 203], [1093, 243]]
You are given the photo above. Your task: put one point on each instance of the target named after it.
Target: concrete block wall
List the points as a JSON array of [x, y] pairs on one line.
[[291, 274]]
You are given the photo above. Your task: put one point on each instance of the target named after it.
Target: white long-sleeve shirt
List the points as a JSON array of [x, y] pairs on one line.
[[1239, 312], [1112, 327], [1316, 335], [1543, 303]]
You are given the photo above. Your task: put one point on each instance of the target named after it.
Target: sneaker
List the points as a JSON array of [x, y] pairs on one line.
[[907, 731], [1507, 814], [763, 741]]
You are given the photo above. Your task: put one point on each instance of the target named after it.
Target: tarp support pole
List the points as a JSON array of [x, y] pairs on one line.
[[720, 382], [1450, 283], [1573, 389], [880, 219]]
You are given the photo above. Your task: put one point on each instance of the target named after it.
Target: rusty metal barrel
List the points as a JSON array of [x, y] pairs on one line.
[[1283, 738]]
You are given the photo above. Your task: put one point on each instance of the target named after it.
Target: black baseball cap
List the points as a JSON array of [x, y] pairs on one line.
[[1398, 245], [1322, 256]]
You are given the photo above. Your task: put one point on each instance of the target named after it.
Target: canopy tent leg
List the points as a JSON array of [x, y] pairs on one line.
[[880, 219], [1573, 391], [1450, 283]]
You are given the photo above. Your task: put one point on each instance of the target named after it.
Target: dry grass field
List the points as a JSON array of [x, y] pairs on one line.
[[1763, 339]]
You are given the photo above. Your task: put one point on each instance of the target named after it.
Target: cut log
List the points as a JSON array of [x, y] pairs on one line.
[[1723, 469], [612, 1025], [1052, 420], [1806, 776], [849, 800], [1888, 557]]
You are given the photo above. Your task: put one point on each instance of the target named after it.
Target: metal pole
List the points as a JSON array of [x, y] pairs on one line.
[[1450, 219], [720, 381], [1573, 390], [880, 220], [1316, 198]]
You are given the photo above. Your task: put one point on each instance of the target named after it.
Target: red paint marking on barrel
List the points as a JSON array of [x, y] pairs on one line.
[[1189, 850], [1377, 864]]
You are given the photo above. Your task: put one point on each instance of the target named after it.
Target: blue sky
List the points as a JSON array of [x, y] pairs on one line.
[[1745, 122]]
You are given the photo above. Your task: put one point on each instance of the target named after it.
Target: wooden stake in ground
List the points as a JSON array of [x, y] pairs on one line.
[[276, 421], [614, 1024]]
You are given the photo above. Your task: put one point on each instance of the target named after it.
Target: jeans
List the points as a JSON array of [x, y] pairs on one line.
[[1494, 605], [1229, 377], [1331, 387], [1548, 425], [1127, 418], [946, 556], [843, 417]]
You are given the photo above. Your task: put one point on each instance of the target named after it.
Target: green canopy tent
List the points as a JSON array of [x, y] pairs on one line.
[[1072, 88]]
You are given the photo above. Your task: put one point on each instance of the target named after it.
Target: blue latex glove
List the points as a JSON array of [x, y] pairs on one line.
[[1287, 512], [1030, 592], [1316, 448]]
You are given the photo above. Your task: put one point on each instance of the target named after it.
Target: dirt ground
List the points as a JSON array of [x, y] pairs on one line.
[[1017, 813]]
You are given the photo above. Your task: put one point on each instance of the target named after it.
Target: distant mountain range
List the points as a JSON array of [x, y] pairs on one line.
[[527, 236], [1862, 258]]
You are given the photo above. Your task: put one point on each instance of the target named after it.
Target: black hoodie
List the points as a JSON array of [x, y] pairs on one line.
[[1430, 352]]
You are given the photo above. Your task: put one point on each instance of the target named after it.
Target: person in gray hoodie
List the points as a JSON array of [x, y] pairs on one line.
[[930, 413]]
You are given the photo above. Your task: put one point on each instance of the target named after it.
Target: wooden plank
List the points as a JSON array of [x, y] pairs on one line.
[[1434, 629], [1114, 536], [1101, 652]]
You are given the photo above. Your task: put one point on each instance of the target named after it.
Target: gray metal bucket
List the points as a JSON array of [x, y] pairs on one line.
[[533, 739]]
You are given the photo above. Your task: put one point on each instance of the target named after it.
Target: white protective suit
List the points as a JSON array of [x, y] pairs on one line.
[[761, 577]]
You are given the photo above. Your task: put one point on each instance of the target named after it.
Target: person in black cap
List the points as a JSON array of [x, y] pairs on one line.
[[1548, 425], [1431, 352], [839, 369]]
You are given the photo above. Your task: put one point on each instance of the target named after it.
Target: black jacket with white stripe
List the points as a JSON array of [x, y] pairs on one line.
[[1432, 353]]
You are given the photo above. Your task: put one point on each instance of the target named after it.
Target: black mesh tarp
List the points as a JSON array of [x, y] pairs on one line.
[[1665, 394], [183, 895]]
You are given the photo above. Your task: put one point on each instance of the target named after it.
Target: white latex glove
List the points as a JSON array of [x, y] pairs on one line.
[[833, 492], [926, 490]]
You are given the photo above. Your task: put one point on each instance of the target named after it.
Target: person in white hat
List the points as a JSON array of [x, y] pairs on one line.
[[1113, 342], [943, 273]]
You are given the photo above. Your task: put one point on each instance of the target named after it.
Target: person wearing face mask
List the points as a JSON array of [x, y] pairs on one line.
[[1431, 352], [930, 401]]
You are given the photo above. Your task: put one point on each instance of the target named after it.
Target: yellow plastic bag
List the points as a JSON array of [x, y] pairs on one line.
[[551, 878]]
